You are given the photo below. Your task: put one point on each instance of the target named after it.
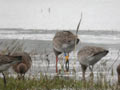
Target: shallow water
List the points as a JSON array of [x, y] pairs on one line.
[[41, 42]]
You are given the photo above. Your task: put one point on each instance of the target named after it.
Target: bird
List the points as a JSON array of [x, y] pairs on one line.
[[64, 42], [118, 72], [22, 67], [6, 62], [88, 56]]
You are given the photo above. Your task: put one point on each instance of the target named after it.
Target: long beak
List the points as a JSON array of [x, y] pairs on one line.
[[78, 25]]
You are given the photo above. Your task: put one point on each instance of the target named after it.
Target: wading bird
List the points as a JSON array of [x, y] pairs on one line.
[[22, 67], [6, 62], [88, 56], [64, 42]]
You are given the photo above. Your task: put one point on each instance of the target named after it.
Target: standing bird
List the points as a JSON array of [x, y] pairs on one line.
[[90, 55], [64, 42], [118, 72], [6, 62], [22, 67]]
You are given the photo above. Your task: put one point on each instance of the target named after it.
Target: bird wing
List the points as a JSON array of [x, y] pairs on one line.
[[5, 60]]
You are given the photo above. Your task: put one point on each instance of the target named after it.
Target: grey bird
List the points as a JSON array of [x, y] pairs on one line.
[[64, 42], [88, 56], [22, 67], [6, 62]]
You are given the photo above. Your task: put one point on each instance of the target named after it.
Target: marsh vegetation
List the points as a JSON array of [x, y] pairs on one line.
[[42, 74]]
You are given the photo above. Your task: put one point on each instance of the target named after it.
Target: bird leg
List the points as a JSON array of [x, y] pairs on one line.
[[67, 62], [91, 69], [4, 79], [83, 71], [56, 64], [23, 76]]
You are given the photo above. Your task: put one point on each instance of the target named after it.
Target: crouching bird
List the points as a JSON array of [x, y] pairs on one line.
[[22, 67], [6, 62], [88, 56]]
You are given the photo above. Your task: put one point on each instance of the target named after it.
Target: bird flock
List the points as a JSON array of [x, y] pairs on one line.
[[63, 42]]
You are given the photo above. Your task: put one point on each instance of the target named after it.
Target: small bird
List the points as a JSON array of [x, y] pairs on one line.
[[88, 56], [6, 62], [64, 42], [118, 72], [22, 67]]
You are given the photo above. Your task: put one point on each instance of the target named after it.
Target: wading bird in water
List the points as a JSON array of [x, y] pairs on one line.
[[88, 56], [64, 42]]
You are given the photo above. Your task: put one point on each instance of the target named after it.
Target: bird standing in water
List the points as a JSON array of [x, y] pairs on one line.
[[88, 56], [64, 42]]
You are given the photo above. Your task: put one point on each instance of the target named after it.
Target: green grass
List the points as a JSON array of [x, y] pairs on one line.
[[56, 83], [49, 83]]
